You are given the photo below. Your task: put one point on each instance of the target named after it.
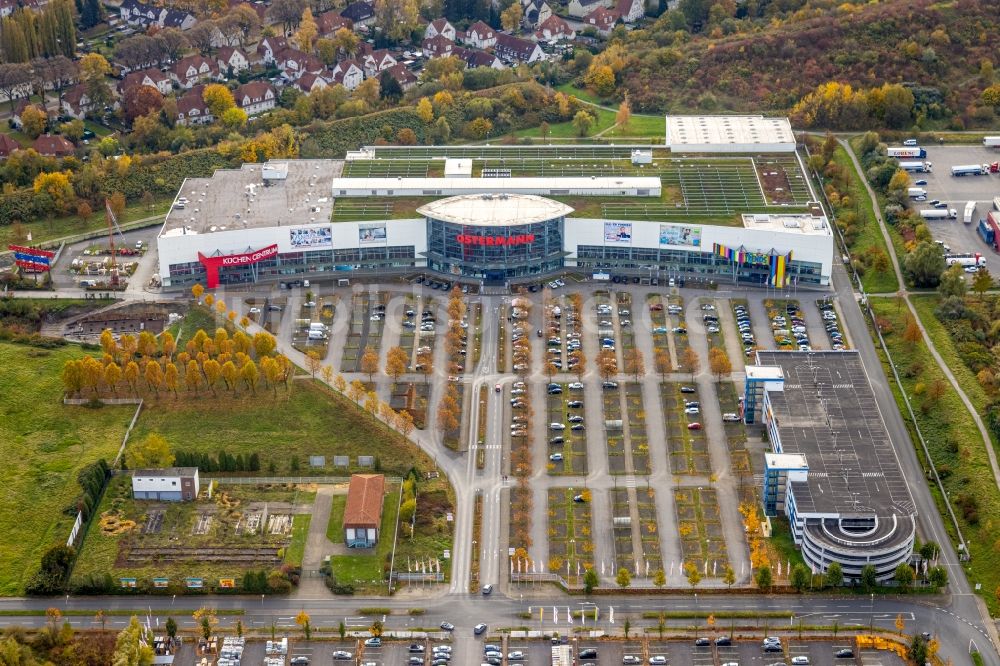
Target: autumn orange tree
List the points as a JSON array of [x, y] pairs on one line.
[[204, 361]]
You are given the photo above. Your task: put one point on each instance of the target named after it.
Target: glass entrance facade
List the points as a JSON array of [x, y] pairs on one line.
[[495, 252]]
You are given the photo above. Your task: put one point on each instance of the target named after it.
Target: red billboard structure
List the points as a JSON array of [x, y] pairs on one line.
[[32, 259], [213, 263]]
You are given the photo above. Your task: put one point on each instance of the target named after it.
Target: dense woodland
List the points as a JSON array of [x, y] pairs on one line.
[[716, 55]]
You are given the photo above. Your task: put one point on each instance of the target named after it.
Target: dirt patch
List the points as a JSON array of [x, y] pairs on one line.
[[112, 523], [774, 181]]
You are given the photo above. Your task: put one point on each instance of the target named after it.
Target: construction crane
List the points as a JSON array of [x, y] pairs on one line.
[[112, 227]]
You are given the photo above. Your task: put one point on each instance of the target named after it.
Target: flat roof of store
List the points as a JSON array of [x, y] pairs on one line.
[[726, 130], [599, 185], [495, 209], [827, 412], [804, 223], [238, 198]]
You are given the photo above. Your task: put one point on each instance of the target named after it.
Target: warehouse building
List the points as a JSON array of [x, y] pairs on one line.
[[832, 469], [729, 134]]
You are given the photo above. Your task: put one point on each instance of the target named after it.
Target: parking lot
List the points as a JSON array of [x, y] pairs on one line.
[[651, 650], [956, 192]]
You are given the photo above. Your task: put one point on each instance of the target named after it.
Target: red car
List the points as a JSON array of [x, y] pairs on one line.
[[694, 426]]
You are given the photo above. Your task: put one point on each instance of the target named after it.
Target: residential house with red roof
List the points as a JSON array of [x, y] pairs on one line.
[[255, 97], [553, 29], [440, 27], [232, 60], [193, 69], [480, 35], [147, 77], [603, 20], [53, 145], [515, 49], [7, 146]]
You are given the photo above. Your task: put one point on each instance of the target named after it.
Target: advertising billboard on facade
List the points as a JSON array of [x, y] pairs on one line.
[[372, 233], [311, 237], [675, 234], [619, 233]]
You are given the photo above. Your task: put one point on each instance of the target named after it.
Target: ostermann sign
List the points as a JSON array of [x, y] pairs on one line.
[[517, 239]]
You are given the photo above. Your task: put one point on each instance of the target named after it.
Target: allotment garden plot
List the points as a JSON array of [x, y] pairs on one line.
[[239, 528]]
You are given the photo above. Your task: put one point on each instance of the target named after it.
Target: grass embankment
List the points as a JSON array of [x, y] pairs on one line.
[[45, 444], [70, 225], [952, 439], [603, 118], [870, 235]]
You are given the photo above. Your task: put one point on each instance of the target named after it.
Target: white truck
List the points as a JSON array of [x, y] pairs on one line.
[[916, 192], [939, 213], [968, 259], [918, 167], [970, 212], [562, 655], [907, 151], [969, 170], [991, 141]]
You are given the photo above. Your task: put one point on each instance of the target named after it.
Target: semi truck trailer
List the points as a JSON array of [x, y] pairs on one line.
[[970, 212], [939, 213], [969, 170], [919, 167], [915, 192], [991, 141], [906, 151]]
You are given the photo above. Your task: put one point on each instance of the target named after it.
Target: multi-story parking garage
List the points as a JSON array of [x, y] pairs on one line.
[[833, 470]]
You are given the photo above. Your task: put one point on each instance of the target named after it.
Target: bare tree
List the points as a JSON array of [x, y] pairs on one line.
[[15, 81], [56, 73], [201, 35], [172, 43], [288, 12]]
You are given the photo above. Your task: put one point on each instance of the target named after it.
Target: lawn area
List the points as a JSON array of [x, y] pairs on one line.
[[284, 429], [364, 568], [952, 439], [566, 130], [870, 235], [300, 532], [45, 444], [69, 225], [582, 94], [642, 127], [335, 528]]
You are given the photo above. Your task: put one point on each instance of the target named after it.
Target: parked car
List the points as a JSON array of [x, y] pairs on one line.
[[448, 626]]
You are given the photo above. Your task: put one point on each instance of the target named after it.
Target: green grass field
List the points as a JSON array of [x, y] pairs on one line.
[[951, 436], [304, 420], [335, 528], [565, 130], [300, 532], [69, 225], [45, 444]]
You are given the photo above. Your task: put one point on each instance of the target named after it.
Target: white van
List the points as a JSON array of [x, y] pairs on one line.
[[316, 326], [317, 335]]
